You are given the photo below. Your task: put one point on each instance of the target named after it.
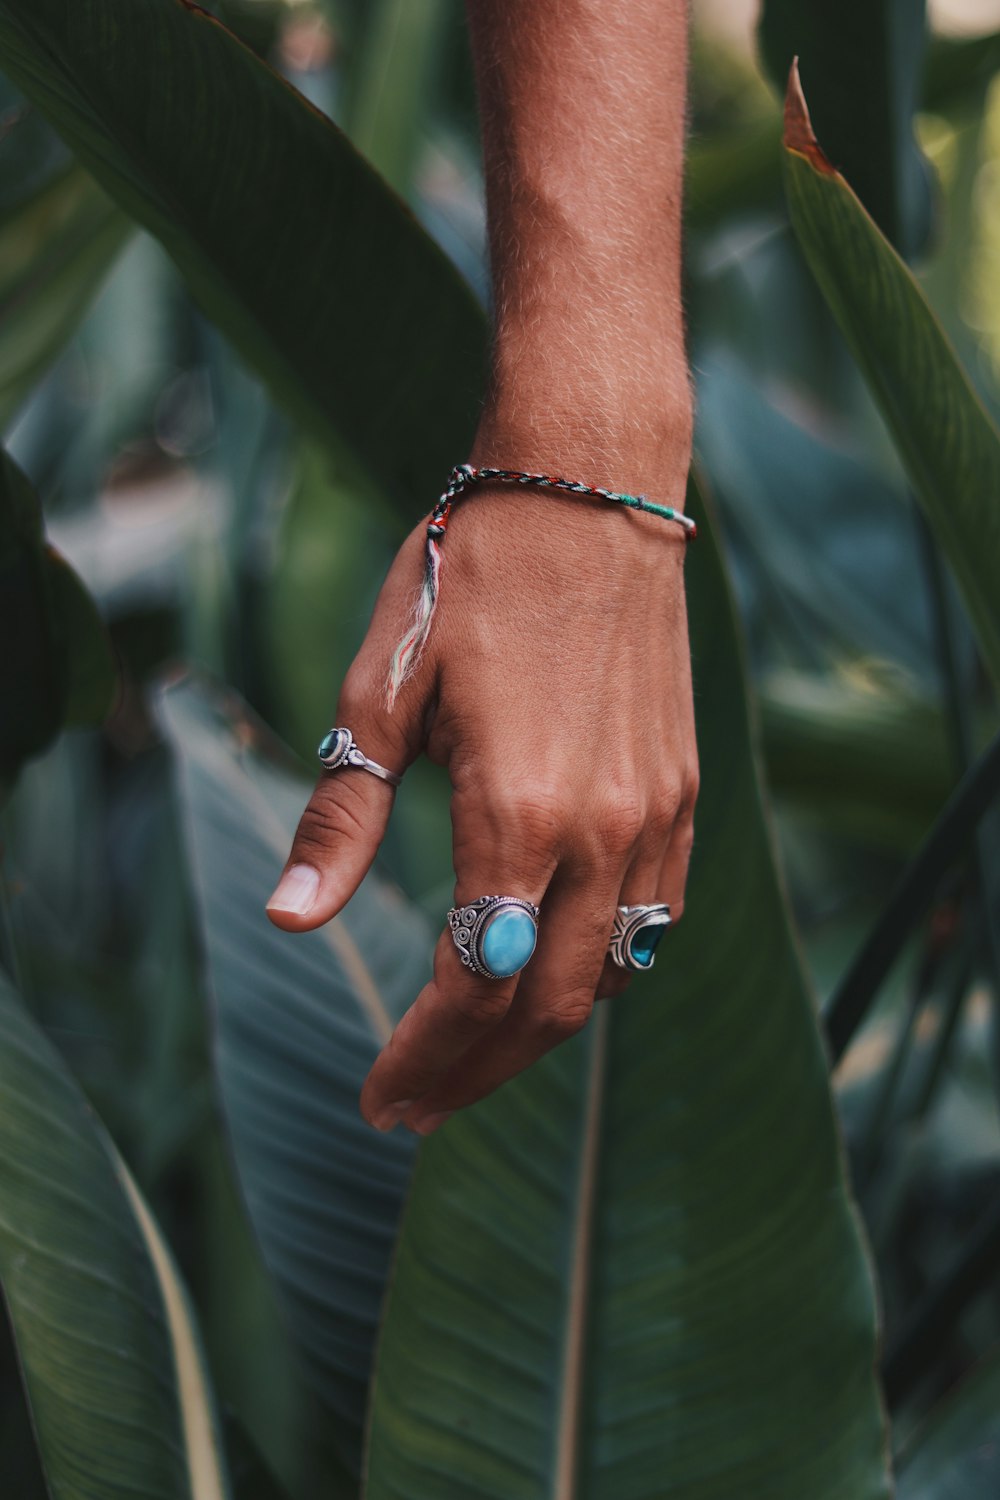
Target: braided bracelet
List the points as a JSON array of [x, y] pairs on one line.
[[408, 651]]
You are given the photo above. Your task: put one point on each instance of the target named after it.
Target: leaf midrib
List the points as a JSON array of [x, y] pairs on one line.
[[571, 1385]]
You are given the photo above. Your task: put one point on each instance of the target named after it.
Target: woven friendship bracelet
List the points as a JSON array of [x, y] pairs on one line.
[[408, 651]]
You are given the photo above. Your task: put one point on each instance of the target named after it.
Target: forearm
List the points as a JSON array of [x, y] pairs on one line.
[[555, 684], [583, 114]]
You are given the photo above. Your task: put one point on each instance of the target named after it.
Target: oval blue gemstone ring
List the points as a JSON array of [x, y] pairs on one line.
[[636, 932], [495, 935]]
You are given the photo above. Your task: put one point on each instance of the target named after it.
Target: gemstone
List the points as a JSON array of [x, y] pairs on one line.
[[508, 941], [332, 747], [643, 945]]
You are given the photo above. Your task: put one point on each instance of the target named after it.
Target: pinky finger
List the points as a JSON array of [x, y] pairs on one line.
[[669, 886]]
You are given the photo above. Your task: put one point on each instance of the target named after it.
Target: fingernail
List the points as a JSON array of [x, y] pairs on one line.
[[391, 1115], [296, 890], [429, 1123]]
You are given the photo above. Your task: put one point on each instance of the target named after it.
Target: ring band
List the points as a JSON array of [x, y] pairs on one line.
[[495, 935], [636, 932], [337, 748]]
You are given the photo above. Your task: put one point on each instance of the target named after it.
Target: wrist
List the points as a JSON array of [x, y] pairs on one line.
[[638, 446]]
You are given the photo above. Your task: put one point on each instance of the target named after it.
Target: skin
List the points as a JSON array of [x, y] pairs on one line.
[[556, 683]]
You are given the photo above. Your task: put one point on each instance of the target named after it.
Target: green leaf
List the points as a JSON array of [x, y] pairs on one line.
[[636, 1270], [733, 173], [390, 83], [119, 1394], [91, 672], [316, 271], [837, 564], [956, 1454], [739, 171], [865, 760], [959, 70], [58, 667], [299, 1020], [331, 555], [55, 250], [863, 63], [949, 838], [947, 442]]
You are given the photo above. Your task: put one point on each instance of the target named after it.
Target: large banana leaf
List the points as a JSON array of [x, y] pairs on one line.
[[389, 83], [331, 555], [319, 275], [298, 1022], [110, 1356], [636, 1270], [838, 559], [55, 250], [57, 666], [863, 64], [868, 761], [956, 1455], [945, 438]]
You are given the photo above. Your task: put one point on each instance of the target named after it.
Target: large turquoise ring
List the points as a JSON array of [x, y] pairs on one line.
[[636, 932], [495, 935]]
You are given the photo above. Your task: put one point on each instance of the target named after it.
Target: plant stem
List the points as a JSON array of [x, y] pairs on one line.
[[914, 1349], [960, 722], [912, 896], [9, 956]]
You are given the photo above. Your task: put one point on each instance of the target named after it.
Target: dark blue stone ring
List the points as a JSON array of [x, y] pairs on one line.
[[636, 932], [495, 935], [337, 749]]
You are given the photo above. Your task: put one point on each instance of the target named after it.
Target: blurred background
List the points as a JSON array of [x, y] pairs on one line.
[[199, 518]]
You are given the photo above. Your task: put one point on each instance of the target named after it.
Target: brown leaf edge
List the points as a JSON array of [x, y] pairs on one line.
[[798, 133]]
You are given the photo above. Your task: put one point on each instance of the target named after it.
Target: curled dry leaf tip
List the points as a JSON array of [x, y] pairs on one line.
[[798, 132]]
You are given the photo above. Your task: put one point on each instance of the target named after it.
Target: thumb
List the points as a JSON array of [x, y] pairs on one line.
[[342, 827]]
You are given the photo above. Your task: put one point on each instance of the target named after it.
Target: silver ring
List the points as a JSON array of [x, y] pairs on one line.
[[636, 932], [337, 749], [495, 935]]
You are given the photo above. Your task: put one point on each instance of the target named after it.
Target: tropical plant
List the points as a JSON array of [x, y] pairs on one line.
[[637, 1270]]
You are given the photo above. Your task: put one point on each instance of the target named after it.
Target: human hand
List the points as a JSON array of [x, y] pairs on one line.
[[555, 688]]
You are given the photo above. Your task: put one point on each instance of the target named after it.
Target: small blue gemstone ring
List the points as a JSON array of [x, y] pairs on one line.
[[495, 935], [337, 749], [636, 932]]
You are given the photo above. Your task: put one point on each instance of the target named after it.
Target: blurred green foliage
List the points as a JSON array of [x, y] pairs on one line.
[[232, 506]]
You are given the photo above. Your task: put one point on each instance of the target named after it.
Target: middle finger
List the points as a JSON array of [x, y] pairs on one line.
[[554, 998]]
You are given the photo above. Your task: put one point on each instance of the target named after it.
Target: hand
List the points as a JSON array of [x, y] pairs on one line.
[[556, 689]]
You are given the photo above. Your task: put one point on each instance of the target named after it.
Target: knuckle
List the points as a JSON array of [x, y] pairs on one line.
[[328, 820], [538, 812], [690, 790], [355, 690], [620, 820], [665, 808], [558, 1021], [683, 840], [483, 1005], [529, 817], [360, 706], [612, 985], [660, 823]]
